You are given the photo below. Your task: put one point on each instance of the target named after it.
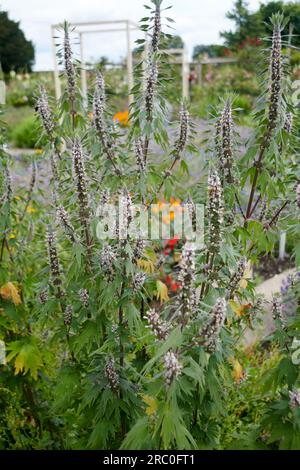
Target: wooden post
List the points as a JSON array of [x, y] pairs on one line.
[[83, 72], [129, 64], [199, 73], [282, 243], [185, 75], [56, 71]]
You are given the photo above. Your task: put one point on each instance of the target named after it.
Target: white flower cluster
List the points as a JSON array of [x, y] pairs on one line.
[[186, 298], [159, 327], [210, 331], [172, 367]]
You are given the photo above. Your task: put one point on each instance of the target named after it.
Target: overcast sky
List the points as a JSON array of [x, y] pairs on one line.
[[197, 22]]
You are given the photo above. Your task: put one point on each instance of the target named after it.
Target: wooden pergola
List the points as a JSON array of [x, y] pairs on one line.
[[114, 26], [93, 27]]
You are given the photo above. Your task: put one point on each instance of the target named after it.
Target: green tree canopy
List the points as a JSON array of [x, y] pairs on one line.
[[254, 25], [16, 52]]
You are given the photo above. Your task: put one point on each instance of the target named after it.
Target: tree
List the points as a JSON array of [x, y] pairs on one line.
[[212, 50], [16, 52], [250, 26]]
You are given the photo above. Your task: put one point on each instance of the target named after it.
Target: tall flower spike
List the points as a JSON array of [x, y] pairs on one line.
[[99, 108], [126, 214], [107, 259], [43, 108], [54, 262], [187, 293], [84, 297], [215, 212], [8, 184], [298, 195], [68, 316], [139, 155], [158, 327], [64, 220], [156, 32], [183, 132], [111, 374], [172, 367], [210, 332], [138, 281], [68, 63], [288, 124], [275, 83], [151, 81], [277, 310], [226, 142], [236, 277], [81, 183]]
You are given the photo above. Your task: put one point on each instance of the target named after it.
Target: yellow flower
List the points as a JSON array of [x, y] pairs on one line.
[[30, 210], [152, 404], [161, 291], [10, 292], [239, 309], [39, 151], [237, 371], [12, 234]]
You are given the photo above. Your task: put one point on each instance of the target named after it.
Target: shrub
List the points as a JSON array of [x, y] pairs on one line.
[[27, 133], [99, 353]]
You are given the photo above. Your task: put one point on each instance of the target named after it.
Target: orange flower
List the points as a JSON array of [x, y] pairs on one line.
[[10, 292], [122, 117]]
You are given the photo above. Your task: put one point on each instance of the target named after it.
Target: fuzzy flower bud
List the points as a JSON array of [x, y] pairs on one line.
[[236, 277], [64, 220], [172, 367], [151, 81], [139, 248], [138, 281], [43, 296], [84, 297], [158, 327], [68, 316], [215, 212], [275, 81], [69, 66], [298, 195], [126, 214], [294, 398], [288, 124], [156, 29], [183, 133], [81, 182], [42, 107], [107, 259], [187, 293], [112, 374], [53, 260], [277, 310], [226, 143], [140, 157], [210, 331]]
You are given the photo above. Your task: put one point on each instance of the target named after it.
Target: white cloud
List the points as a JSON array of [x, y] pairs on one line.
[[197, 21]]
